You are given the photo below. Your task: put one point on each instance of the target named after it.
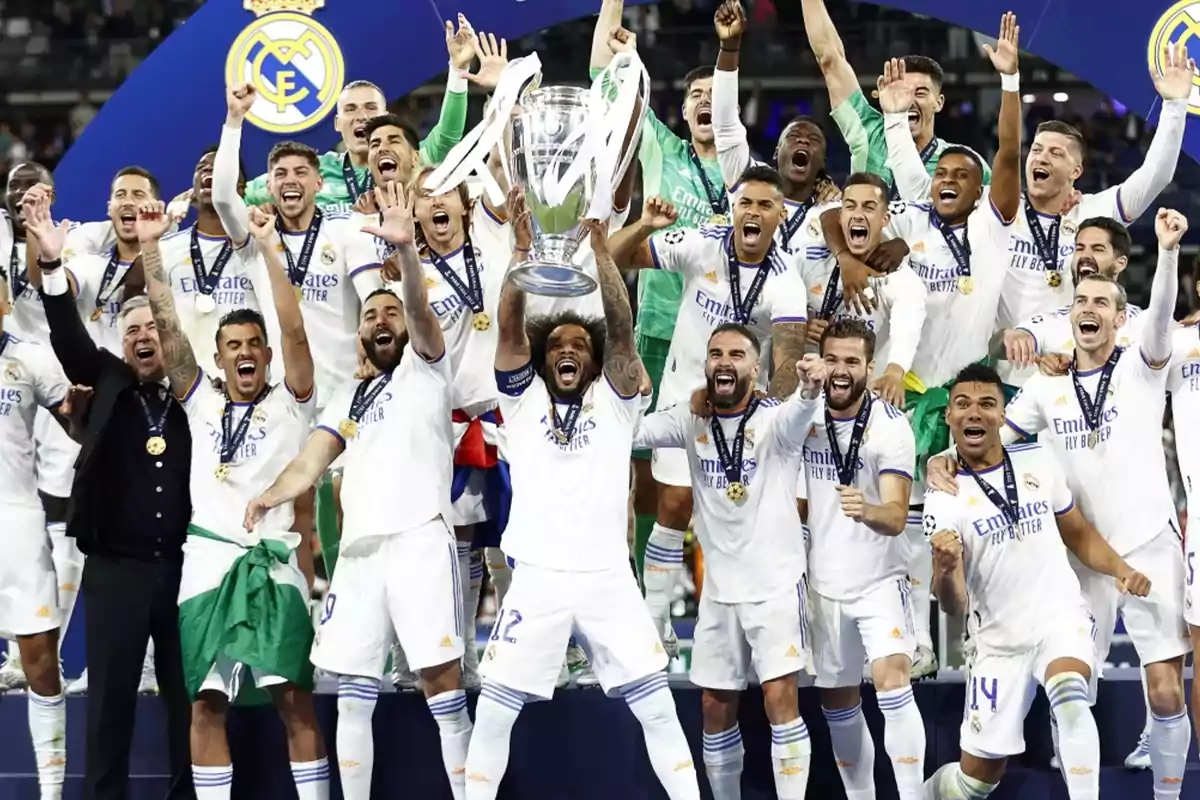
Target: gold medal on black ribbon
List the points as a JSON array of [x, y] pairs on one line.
[[96, 315], [482, 321], [348, 429], [966, 285], [718, 219], [299, 293], [1054, 278], [736, 491], [156, 445], [221, 473]]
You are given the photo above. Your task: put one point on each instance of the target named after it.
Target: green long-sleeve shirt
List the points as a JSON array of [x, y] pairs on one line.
[[335, 194]]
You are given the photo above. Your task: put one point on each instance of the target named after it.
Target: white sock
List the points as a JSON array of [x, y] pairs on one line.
[[920, 578], [949, 783], [651, 702], [14, 653], [853, 750], [312, 779], [454, 725], [1078, 740], [471, 610], [212, 783], [1146, 700], [500, 572], [904, 740], [48, 731], [1170, 738], [791, 752], [664, 562], [355, 739], [724, 756], [487, 759], [68, 569]]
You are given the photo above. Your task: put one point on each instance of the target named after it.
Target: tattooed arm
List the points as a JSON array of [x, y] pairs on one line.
[[621, 364], [787, 345], [178, 358]]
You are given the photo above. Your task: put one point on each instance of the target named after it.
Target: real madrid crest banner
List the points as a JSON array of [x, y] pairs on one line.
[[300, 53]]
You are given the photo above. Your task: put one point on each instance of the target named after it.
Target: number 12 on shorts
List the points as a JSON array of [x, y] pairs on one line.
[[985, 687], [504, 626]]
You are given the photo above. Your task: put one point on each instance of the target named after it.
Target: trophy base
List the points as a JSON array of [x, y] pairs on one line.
[[552, 280]]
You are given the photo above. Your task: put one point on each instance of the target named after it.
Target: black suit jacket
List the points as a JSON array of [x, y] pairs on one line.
[[85, 364]]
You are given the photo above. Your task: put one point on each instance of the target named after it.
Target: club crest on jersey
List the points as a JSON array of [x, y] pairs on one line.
[[328, 256], [1178, 23], [293, 62], [12, 372], [1031, 482], [1069, 227]]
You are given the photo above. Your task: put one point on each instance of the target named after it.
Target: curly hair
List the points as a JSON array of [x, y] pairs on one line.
[[538, 330]]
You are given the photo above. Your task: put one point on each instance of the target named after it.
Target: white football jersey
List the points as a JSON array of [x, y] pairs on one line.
[[234, 289], [1121, 484], [570, 500], [1053, 333], [753, 548], [344, 270], [96, 294], [1184, 385], [958, 325], [89, 238], [30, 377], [846, 559], [899, 314], [1019, 582], [27, 317], [399, 463], [276, 434], [700, 256]]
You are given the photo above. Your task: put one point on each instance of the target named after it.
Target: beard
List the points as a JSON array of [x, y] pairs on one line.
[[839, 403], [725, 402], [388, 358]]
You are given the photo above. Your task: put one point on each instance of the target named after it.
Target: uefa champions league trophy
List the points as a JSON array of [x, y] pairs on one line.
[[569, 148]]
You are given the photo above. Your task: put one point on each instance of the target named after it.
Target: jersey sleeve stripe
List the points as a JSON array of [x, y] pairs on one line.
[[1012, 425], [364, 268], [312, 392], [332, 433], [1066, 510], [492, 214], [1121, 209], [900, 472], [195, 385], [1152, 365], [1022, 447], [786, 320], [999, 216], [617, 391], [654, 259]]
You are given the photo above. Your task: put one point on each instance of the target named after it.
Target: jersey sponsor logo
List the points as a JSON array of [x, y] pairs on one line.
[[293, 62], [718, 312], [1190, 372], [10, 400], [1023, 253], [230, 291], [712, 474], [1178, 23], [939, 280], [997, 527], [821, 466], [1074, 431]]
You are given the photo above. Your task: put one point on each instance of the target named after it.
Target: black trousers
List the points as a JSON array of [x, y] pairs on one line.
[[128, 602]]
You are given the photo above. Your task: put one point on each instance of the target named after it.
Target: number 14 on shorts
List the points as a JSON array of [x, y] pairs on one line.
[[985, 690]]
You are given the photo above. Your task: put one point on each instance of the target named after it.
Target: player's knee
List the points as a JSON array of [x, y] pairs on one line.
[[39, 658], [674, 506], [891, 672], [840, 698], [780, 699], [1068, 696], [719, 708], [208, 712], [442, 678], [1164, 687]]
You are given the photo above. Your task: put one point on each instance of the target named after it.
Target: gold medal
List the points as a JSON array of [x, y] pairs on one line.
[[561, 437], [1093, 439], [718, 219], [299, 293], [482, 321], [1054, 278], [221, 472], [966, 285], [348, 429], [96, 315], [736, 491], [156, 445]]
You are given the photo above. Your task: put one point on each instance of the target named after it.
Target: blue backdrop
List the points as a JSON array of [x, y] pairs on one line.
[[173, 104]]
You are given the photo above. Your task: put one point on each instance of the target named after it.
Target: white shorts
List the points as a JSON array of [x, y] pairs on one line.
[[669, 466], [1001, 688], [1191, 564], [56, 453], [543, 608], [227, 677], [403, 588], [1154, 623], [735, 642], [847, 632], [28, 586]]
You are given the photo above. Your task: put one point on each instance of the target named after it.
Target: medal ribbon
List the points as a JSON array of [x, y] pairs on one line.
[[298, 269], [231, 438], [718, 200], [110, 269], [793, 223], [1010, 502], [364, 398], [20, 277], [1093, 410], [1045, 243], [926, 153], [155, 428], [742, 308], [470, 292], [351, 178], [960, 249], [833, 297], [4, 340], [565, 425], [731, 461], [206, 282], [847, 468]]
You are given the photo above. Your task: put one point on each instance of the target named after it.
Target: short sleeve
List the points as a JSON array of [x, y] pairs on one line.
[[987, 219], [903, 217], [1051, 332], [662, 429], [201, 391], [628, 408], [305, 408], [337, 410], [1103, 204], [679, 250], [87, 238], [899, 453], [50, 383], [1060, 493], [359, 250], [941, 513], [789, 297], [1024, 412]]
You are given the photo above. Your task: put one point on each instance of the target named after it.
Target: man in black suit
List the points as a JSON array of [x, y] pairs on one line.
[[129, 511]]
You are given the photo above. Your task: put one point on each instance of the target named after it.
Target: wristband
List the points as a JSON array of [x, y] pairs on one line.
[[1010, 83], [455, 82], [46, 266]]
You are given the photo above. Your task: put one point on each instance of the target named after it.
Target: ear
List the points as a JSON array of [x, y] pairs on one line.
[[1121, 263], [870, 369], [941, 103]]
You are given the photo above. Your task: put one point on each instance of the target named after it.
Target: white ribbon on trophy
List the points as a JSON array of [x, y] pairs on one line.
[[466, 158]]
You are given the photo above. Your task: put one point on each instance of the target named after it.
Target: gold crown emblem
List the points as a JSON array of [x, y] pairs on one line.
[[263, 7]]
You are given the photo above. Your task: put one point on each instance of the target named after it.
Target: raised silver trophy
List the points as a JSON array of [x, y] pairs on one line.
[[567, 150]]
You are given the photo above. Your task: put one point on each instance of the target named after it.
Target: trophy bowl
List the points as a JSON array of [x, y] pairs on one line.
[[547, 138]]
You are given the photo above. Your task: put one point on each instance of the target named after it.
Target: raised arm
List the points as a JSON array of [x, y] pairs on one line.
[[396, 228], [622, 366], [1005, 193], [608, 19], [297, 357], [177, 355], [949, 575], [299, 476], [733, 149], [230, 207], [895, 98], [827, 46], [452, 119], [1170, 226], [800, 411], [630, 246], [512, 347]]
